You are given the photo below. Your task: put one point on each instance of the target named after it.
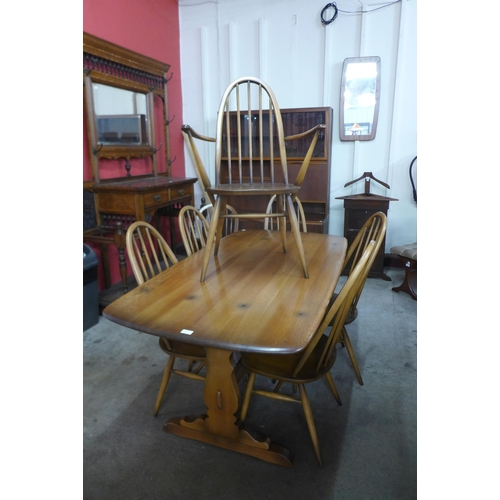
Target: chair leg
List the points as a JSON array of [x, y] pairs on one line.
[[350, 351], [294, 223], [220, 224], [246, 398], [164, 382], [278, 386], [333, 387], [282, 225], [201, 364], [210, 238], [310, 421]]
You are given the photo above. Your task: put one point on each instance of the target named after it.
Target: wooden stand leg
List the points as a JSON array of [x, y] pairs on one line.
[[219, 426], [410, 270]]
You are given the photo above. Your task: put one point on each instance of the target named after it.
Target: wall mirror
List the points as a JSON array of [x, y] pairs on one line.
[[359, 98], [120, 92]]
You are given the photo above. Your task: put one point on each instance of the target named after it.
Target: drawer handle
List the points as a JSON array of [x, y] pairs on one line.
[[182, 192], [157, 197]]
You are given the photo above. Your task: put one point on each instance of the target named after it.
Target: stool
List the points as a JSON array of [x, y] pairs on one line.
[[409, 254]]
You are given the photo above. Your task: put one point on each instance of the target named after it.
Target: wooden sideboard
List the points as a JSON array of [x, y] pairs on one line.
[[141, 197], [119, 203], [315, 191]]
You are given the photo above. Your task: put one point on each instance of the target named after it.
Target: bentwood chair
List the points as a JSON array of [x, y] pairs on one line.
[[311, 364], [149, 255], [194, 229], [373, 229], [301, 217], [249, 136]]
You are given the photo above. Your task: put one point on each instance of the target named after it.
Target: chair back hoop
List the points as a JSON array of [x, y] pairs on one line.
[[231, 224], [251, 135], [146, 249], [338, 312], [301, 217], [373, 229], [194, 229]]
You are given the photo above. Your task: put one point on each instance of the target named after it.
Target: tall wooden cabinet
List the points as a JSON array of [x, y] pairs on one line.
[[315, 191]]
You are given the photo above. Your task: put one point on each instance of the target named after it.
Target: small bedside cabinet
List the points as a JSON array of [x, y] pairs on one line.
[[357, 209]]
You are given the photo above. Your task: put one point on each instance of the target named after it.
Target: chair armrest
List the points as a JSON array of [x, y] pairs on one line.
[[188, 130], [306, 133], [305, 164], [189, 135]]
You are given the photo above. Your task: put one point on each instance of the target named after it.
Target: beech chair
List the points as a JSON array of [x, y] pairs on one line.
[[246, 145], [194, 229], [149, 255], [373, 229], [311, 364], [301, 217]]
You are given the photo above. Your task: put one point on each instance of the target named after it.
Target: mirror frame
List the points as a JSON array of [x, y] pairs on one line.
[[366, 137], [109, 64]]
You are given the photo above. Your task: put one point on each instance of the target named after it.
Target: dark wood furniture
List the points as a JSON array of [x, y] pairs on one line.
[[357, 210], [255, 299], [315, 190]]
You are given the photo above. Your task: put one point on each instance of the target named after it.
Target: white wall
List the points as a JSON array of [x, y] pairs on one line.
[[284, 43]]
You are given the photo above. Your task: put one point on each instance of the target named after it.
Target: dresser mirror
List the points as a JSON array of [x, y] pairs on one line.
[[121, 116], [359, 98], [121, 90]]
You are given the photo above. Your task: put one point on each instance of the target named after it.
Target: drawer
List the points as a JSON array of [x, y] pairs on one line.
[[156, 198], [181, 191]]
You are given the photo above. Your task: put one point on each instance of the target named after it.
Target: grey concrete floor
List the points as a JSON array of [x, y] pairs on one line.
[[368, 445]]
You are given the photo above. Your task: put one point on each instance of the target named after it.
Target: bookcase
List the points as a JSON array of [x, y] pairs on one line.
[[315, 191]]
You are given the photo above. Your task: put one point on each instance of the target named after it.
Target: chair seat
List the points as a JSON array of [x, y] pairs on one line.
[[247, 189], [351, 315], [180, 349], [407, 251], [281, 366]]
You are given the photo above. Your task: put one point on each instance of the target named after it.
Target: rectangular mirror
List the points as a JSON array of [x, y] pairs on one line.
[[359, 98], [121, 115]]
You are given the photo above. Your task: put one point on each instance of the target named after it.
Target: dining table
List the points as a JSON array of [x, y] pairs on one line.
[[255, 298]]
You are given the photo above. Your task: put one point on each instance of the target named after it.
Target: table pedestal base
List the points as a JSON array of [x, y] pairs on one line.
[[248, 441]]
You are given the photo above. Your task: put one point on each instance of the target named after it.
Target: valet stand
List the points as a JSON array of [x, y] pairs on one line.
[[357, 209]]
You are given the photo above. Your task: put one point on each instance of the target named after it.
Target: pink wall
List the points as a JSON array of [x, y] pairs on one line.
[[150, 27]]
